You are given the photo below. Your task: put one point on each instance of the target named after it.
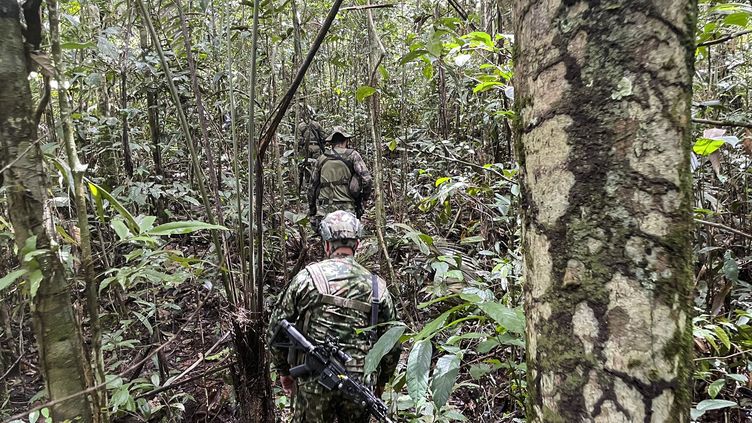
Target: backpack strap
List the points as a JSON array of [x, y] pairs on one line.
[[319, 278], [322, 286]]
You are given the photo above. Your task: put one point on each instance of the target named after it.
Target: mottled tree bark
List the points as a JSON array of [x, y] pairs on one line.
[[603, 99], [60, 347]]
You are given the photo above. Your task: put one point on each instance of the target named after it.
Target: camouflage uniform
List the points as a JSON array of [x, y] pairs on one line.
[[333, 185], [311, 137], [339, 313]]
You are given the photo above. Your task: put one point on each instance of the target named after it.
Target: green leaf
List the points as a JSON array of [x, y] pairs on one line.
[[715, 387], [409, 57], [393, 144], [481, 38], [723, 336], [35, 279], [185, 227], [431, 327], [730, 267], [145, 223], [418, 364], [714, 404], [428, 71], [706, 146], [479, 370], [11, 277], [444, 375], [76, 45], [435, 45], [120, 397], [739, 19], [511, 319], [737, 377], [121, 230], [485, 86], [129, 219], [385, 344], [472, 239], [443, 180], [96, 193], [363, 92]]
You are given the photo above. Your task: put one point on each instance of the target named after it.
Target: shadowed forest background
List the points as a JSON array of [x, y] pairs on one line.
[[162, 140]]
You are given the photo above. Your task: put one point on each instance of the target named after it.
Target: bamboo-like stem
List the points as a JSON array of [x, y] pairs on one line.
[[240, 230], [203, 123], [186, 129], [378, 52], [79, 193], [281, 191], [266, 137], [248, 279]]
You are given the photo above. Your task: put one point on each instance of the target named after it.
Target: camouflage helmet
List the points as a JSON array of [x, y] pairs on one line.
[[340, 225]]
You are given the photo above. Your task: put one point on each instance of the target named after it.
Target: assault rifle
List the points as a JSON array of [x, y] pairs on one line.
[[326, 362]]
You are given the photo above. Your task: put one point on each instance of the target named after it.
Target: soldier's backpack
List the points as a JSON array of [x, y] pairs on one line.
[[331, 166], [368, 312]]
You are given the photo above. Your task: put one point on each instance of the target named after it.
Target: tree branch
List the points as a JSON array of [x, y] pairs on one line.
[[724, 39], [368, 6], [722, 123], [724, 227]]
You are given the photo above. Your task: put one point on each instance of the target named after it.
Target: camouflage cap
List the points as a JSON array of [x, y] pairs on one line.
[[340, 225], [338, 130]]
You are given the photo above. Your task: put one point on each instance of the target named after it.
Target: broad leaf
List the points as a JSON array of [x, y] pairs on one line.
[[121, 229], [363, 92], [11, 277], [188, 226], [714, 404], [75, 45], [35, 279], [382, 347], [723, 336], [485, 86], [715, 387], [418, 364], [511, 319], [129, 219], [730, 267], [706, 146], [444, 375], [412, 56]]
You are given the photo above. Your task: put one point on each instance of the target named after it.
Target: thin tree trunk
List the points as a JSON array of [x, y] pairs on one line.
[[603, 142], [249, 279], [79, 191], [61, 357], [195, 162], [127, 157], [152, 104], [203, 123]]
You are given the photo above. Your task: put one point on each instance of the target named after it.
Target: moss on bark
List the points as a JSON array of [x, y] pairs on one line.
[[606, 221], [60, 346]]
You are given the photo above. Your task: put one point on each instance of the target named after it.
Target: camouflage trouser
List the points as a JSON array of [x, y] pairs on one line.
[[314, 404]]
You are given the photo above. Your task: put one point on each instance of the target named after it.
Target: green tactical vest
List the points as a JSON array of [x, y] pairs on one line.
[[339, 185]]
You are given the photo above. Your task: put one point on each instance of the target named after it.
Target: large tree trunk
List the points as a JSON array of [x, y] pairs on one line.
[[60, 351], [603, 97]]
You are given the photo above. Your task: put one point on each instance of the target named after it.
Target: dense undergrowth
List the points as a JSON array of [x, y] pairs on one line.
[[449, 185]]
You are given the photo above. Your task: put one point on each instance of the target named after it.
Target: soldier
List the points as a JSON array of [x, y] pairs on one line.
[[340, 181], [333, 298], [311, 143]]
